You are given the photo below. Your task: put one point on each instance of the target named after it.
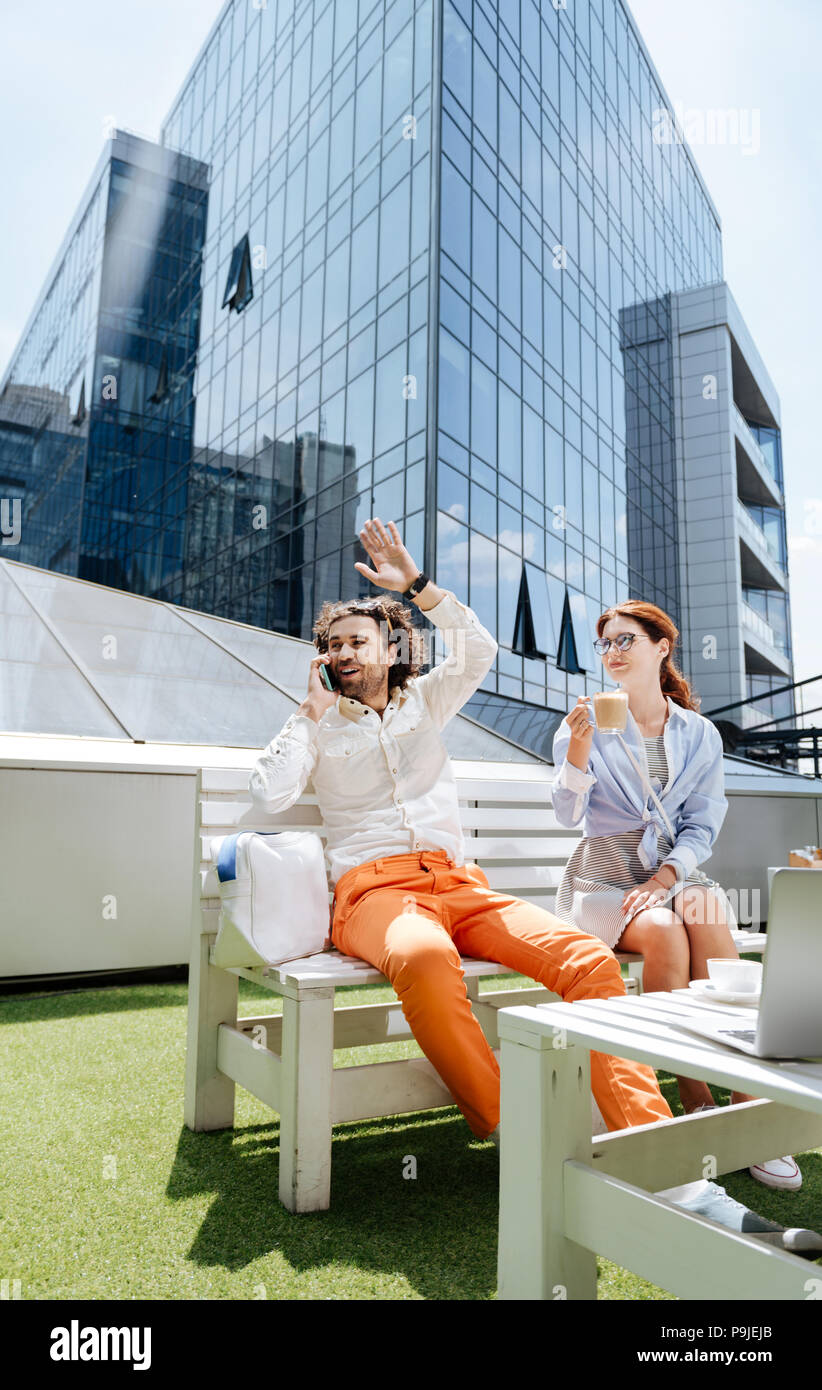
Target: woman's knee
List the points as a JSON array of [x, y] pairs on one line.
[[659, 935]]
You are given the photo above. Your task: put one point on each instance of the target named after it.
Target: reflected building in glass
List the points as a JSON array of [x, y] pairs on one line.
[[104, 372], [428, 263]]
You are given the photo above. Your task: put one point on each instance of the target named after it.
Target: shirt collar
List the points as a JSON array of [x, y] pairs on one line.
[[354, 710], [677, 711]]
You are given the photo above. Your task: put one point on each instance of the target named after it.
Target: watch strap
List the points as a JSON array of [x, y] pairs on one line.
[[416, 587]]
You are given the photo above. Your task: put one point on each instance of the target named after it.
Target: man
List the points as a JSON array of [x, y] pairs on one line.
[[405, 900]]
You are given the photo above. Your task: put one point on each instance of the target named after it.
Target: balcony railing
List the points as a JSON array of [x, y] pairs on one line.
[[756, 537], [758, 625], [751, 444]]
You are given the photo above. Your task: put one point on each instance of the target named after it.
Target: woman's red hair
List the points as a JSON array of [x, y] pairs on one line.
[[657, 624]]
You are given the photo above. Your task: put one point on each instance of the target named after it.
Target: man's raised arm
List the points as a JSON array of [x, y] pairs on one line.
[[471, 648], [471, 652]]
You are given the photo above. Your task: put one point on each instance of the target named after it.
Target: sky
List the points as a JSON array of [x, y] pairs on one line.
[[69, 71], [755, 56]]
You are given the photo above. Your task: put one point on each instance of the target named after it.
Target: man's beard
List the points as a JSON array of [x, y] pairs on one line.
[[366, 684]]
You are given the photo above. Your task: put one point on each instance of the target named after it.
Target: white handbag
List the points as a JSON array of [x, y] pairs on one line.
[[273, 897]]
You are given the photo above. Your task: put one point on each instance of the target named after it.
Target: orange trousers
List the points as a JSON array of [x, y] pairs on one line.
[[413, 915]]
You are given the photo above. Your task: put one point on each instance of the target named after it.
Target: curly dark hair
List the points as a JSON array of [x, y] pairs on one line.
[[402, 632]]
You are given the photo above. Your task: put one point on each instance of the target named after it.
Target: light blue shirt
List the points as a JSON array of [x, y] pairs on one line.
[[611, 798]]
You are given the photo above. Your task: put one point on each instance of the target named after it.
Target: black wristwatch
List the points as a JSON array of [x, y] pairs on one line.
[[417, 586]]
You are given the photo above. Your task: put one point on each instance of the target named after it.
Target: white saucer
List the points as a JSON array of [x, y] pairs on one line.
[[708, 990]]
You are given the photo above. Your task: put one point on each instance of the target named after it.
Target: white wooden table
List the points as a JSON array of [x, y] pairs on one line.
[[564, 1198]]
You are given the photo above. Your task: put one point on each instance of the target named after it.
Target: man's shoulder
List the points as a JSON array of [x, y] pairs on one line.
[[412, 696]]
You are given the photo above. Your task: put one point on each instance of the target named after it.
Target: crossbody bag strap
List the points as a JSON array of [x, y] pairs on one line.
[[649, 791]]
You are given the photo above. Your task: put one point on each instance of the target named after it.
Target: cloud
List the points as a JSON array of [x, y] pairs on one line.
[[798, 545]]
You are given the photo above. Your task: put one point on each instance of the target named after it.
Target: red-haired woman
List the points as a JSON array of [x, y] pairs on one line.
[[630, 881]]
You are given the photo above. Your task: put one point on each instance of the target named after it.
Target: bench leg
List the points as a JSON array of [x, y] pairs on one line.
[[307, 1061], [546, 1119], [212, 1000], [635, 973]]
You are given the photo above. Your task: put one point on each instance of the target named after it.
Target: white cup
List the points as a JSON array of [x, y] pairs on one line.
[[736, 976]]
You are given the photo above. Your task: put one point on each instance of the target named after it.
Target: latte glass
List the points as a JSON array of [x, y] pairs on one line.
[[611, 711]]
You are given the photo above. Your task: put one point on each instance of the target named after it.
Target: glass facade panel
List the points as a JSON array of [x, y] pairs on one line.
[[581, 227], [342, 377]]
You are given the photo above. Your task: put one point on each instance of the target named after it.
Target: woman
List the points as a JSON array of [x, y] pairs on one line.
[[628, 881]]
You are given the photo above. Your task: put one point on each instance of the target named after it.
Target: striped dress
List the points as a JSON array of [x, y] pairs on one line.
[[612, 861]]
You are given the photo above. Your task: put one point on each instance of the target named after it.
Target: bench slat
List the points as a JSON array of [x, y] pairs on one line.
[[224, 816], [486, 847], [472, 789], [233, 813], [505, 783], [519, 880], [512, 818]]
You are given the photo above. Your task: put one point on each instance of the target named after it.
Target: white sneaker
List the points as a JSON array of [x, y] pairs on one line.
[[710, 1200], [782, 1173]]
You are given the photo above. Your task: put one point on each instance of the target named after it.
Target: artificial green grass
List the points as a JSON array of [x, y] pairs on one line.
[[104, 1193]]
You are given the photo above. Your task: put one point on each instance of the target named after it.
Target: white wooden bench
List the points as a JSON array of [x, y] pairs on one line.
[[286, 1060]]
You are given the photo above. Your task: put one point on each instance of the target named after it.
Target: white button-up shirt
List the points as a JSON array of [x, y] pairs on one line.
[[384, 785]]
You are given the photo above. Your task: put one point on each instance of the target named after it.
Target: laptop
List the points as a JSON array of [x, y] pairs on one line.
[[788, 1022]]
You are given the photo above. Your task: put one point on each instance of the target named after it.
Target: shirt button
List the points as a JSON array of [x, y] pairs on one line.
[[393, 769], [418, 844]]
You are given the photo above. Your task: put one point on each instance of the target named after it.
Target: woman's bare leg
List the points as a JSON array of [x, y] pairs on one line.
[[708, 931], [659, 935]]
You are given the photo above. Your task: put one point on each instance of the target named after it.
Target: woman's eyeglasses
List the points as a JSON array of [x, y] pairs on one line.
[[623, 642]]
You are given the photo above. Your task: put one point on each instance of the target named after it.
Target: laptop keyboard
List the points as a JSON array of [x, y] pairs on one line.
[[747, 1034]]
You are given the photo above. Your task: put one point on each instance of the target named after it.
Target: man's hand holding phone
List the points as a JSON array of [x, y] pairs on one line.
[[319, 697]]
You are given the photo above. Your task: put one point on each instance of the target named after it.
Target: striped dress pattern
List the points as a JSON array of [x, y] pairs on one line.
[[612, 861]]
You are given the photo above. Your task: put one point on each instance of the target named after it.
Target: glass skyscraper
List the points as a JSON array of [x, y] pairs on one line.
[[98, 396], [418, 264], [312, 388]]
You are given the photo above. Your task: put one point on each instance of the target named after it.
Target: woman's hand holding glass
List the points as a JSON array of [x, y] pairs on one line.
[[582, 731]]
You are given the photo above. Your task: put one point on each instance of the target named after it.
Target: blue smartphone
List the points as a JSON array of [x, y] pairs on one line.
[[326, 676]]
